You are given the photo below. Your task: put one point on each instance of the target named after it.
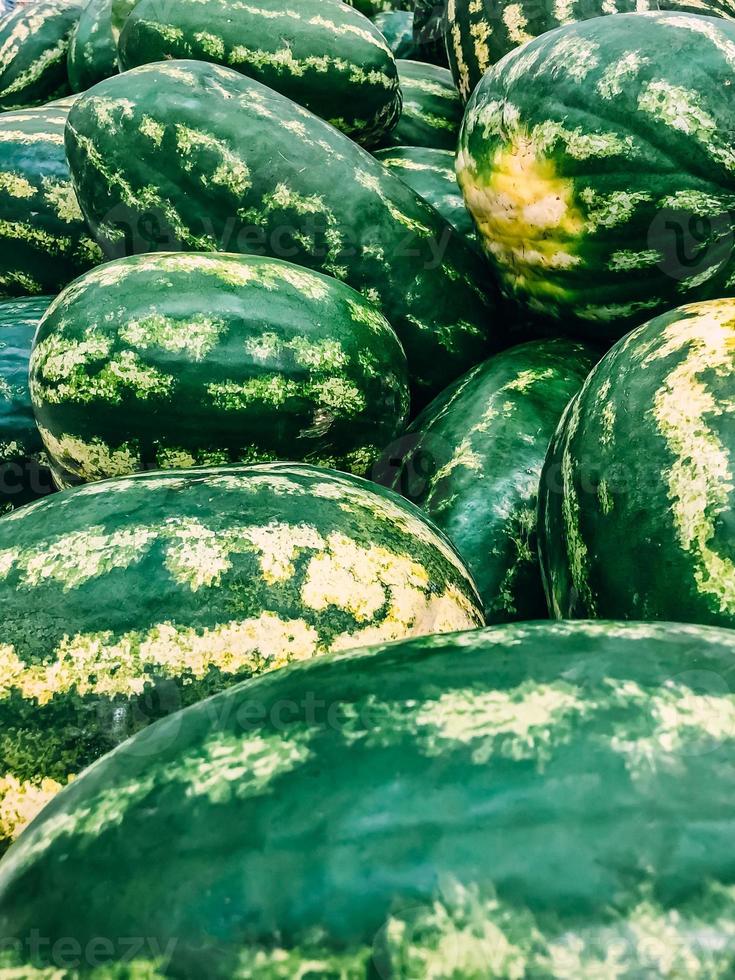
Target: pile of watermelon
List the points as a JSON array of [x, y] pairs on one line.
[[367, 489]]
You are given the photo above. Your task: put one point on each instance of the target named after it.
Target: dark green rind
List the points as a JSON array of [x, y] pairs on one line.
[[531, 801], [396, 26], [92, 51], [472, 462], [34, 40], [371, 8], [300, 190], [611, 199], [44, 240], [179, 359], [481, 32], [432, 111], [430, 172], [126, 599], [429, 31], [322, 54], [24, 473], [637, 505]]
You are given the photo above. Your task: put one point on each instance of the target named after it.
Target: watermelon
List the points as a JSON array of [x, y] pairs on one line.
[[396, 26], [637, 508], [429, 31], [538, 801], [24, 473], [430, 172], [432, 111], [92, 50], [126, 599], [371, 8], [611, 201], [44, 241], [34, 41], [481, 32], [178, 359], [472, 462], [247, 170], [320, 53]]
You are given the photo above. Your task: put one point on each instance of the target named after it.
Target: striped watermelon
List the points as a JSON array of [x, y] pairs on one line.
[[178, 359], [430, 172], [44, 240], [472, 463], [525, 802], [298, 189], [610, 201], [24, 473], [320, 53], [432, 111], [125, 599], [481, 32], [637, 502], [92, 49], [34, 41]]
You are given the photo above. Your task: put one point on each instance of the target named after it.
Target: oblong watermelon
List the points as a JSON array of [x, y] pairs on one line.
[[472, 462], [481, 32], [92, 50], [432, 111], [610, 201], [190, 155], [34, 40], [320, 53], [126, 599], [24, 472], [44, 240], [530, 801], [637, 505], [430, 172], [178, 359]]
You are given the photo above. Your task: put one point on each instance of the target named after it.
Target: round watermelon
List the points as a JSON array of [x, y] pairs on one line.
[[524, 802], [178, 359], [126, 599], [24, 472], [637, 508], [599, 165], [472, 462], [481, 32]]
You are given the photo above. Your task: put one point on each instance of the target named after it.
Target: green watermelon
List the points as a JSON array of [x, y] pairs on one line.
[[24, 473], [44, 241], [371, 8], [432, 111], [637, 507], [430, 172], [247, 170], [320, 53], [173, 360], [396, 26], [125, 599], [481, 32], [610, 201], [524, 802], [472, 462], [92, 50], [430, 29], [34, 41]]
